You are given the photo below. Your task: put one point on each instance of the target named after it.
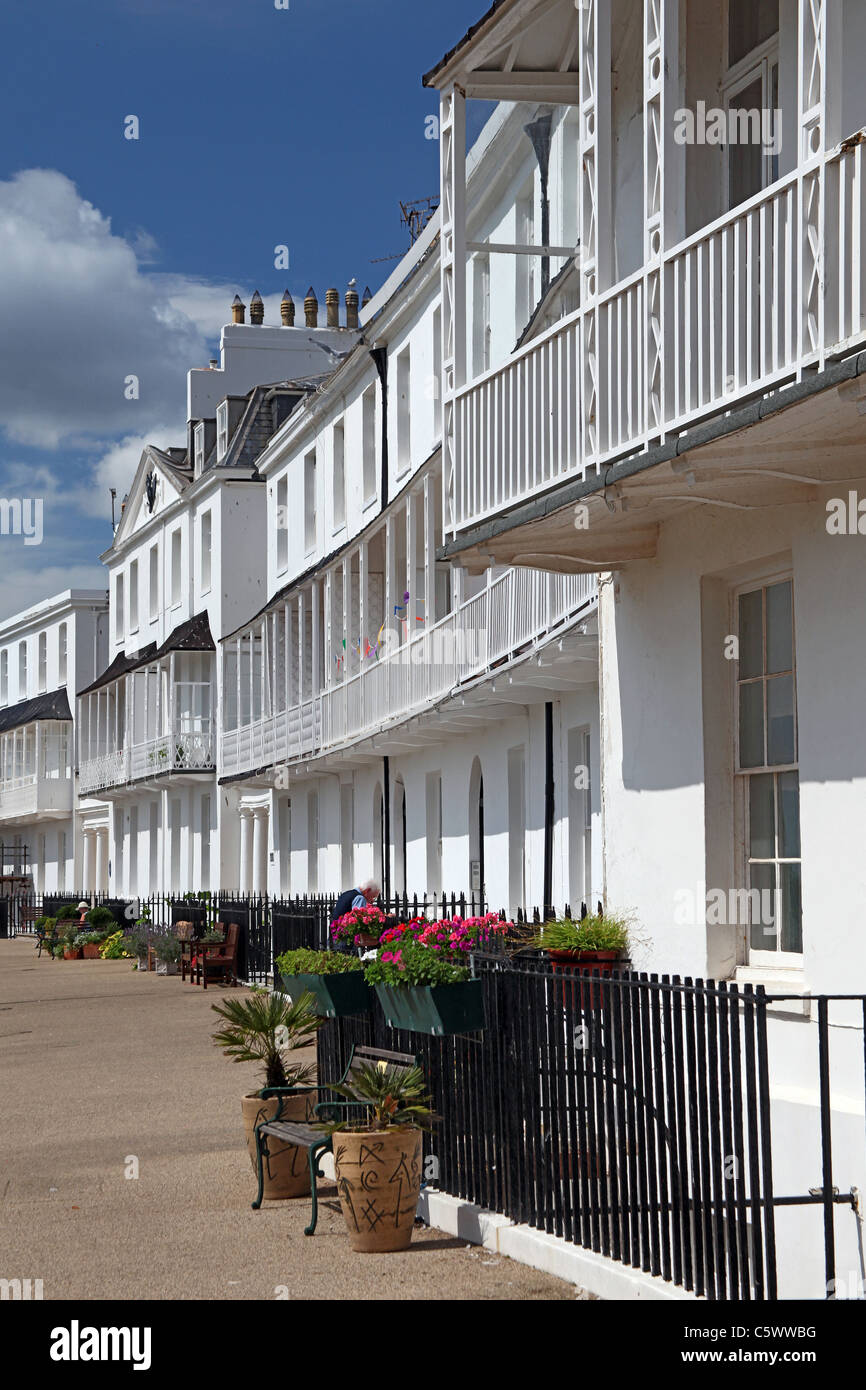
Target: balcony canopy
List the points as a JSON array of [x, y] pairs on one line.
[[54, 705], [520, 50], [191, 636]]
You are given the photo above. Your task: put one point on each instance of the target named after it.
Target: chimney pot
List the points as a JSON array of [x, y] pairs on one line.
[[368, 295], [238, 309], [352, 309], [287, 310], [214, 362], [257, 308], [311, 309], [332, 300]]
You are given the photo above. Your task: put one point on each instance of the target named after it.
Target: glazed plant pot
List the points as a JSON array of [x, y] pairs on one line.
[[286, 1167], [167, 967], [336, 996], [439, 1010], [378, 1180]]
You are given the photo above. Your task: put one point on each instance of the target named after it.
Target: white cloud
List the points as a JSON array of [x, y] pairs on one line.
[[81, 314]]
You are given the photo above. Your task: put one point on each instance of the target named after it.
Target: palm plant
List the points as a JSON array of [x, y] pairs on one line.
[[393, 1096], [264, 1027]]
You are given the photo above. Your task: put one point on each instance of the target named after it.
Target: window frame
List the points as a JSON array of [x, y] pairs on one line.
[[777, 957]]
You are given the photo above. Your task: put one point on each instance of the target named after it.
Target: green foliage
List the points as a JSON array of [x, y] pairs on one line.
[[57, 950], [136, 942], [100, 917], [395, 1096], [115, 947], [264, 1028], [167, 949], [306, 962], [68, 910], [609, 932], [213, 938], [410, 963], [89, 938]]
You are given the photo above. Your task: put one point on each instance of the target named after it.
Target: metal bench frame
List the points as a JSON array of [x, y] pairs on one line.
[[305, 1135]]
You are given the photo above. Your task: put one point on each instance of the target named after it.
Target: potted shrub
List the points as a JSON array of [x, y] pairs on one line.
[[89, 942], [593, 946], [595, 942], [335, 981], [360, 926], [167, 951], [100, 919], [422, 978], [264, 1028], [378, 1161]]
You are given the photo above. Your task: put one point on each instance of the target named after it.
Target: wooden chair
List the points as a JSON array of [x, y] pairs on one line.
[[221, 962]]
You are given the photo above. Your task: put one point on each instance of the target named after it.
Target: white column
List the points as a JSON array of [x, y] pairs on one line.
[[411, 566], [101, 882], [88, 868], [246, 866], [429, 554], [662, 163], [260, 850], [452, 154]]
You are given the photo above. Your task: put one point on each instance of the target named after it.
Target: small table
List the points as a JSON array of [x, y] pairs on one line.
[[191, 954]]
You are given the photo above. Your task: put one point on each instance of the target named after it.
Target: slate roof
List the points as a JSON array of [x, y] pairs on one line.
[[54, 705], [192, 636], [267, 408]]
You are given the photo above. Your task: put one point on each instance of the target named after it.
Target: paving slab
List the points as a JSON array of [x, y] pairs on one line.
[[105, 1071]]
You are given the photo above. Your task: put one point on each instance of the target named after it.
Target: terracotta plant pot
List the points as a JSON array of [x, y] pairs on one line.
[[72, 953], [595, 964], [379, 1179], [91, 951], [286, 1167], [367, 940]]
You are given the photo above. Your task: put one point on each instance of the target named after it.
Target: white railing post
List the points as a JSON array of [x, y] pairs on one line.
[[452, 154]]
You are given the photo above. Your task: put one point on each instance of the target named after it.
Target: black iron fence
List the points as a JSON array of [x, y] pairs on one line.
[[629, 1115]]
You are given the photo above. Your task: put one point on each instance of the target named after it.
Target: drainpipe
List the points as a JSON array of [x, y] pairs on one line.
[[386, 829], [549, 801], [539, 132], [380, 358]]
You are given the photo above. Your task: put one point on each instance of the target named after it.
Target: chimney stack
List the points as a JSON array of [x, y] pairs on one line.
[[311, 309], [368, 295], [352, 309], [287, 310], [238, 309], [257, 308], [332, 300]]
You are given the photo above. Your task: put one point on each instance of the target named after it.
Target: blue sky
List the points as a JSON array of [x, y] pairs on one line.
[[258, 127]]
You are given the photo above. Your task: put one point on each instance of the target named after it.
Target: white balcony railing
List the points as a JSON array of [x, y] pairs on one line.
[[752, 300], [182, 751], [32, 795], [516, 609]]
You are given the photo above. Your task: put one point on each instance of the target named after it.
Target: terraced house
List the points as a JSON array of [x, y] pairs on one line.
[[538, 576]]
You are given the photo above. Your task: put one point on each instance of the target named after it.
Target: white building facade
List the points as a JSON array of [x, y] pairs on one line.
[[706, 459], [387, 715], [46, 654]]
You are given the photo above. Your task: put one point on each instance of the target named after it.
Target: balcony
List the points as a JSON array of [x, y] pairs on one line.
[[518, 610], [35, 774], [185, 750], [754, 301], [24, 798]]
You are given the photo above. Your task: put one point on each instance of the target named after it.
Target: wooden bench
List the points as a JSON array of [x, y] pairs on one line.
[[307, 1136]]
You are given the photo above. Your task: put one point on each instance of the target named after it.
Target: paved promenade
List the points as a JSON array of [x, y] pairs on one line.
[[100, 1064]]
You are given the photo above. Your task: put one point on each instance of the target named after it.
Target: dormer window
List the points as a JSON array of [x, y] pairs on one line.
[[222, 430], [198, 448]]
